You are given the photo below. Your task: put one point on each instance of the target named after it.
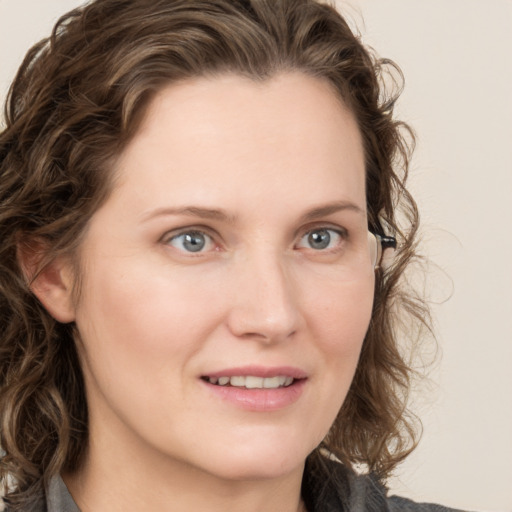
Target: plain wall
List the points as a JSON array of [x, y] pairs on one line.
[[455, 55]]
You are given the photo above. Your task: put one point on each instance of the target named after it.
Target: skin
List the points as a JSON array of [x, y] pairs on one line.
[[154, 318]]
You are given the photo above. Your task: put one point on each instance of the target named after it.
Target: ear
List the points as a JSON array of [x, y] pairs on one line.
[[52, 284]]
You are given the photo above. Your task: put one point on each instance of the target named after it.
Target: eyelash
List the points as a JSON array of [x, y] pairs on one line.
[[194, 232], [340, 234]]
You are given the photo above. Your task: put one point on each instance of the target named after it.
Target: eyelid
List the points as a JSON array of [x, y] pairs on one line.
[[343, 232], [217, 239], [205, 230], [340, 231]]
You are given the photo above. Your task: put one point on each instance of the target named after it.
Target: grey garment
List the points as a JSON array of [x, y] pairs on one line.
[[58, 498], [367, 496], [329, 486]]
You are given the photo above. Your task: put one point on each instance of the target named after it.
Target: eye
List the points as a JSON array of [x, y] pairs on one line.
[[321, 239], [191, 241]]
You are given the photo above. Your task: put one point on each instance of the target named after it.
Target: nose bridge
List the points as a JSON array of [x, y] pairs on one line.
[[265, 303]]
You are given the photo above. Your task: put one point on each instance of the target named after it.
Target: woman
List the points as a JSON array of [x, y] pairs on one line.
[[199, 307]]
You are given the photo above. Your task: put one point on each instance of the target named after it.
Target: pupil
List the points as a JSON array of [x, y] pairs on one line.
[[194, 242], [319, 239]]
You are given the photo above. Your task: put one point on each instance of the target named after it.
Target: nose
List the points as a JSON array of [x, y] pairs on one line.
[[264, 300]]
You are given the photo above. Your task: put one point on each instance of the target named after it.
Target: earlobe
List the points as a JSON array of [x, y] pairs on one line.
[[52, 285]]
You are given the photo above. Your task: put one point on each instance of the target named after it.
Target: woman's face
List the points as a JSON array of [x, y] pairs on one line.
[[227, 283]]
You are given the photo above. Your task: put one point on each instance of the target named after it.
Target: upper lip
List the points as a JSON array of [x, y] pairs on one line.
[[259, 371]]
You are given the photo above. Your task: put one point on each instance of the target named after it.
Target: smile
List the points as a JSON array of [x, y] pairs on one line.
[[257, 393], [252, 382]]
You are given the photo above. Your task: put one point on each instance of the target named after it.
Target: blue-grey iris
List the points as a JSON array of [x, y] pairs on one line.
[[319, 239], [194, 241]]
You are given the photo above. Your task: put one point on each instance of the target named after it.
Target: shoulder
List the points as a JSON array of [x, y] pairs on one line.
[[328, 486], [366, 489], [397, 504]]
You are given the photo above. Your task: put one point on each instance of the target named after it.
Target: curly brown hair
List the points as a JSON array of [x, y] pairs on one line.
[[76, 102]]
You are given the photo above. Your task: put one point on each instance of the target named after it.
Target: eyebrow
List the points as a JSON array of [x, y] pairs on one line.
[[223, 216], [329, 209], [192, 211]]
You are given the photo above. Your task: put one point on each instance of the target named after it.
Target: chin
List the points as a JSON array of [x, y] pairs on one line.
[[257, 461], [271, 468]]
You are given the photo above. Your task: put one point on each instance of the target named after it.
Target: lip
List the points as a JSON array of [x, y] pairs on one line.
[[258, 400], [259, 371]]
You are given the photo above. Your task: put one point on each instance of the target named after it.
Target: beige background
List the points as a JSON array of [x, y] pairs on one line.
[[457, 58]]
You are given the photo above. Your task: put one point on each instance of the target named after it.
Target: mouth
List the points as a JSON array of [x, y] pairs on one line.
[[257, 388], [252, 381]]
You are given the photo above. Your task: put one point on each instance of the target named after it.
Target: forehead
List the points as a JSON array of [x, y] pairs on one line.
[[292, 103], [233, 135]]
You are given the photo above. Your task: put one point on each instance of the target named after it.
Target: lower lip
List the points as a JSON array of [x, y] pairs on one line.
[[259, 400]]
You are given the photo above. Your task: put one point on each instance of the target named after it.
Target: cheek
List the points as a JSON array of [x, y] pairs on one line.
[[338, 316], [131, 325], [339, 325], [139, 331], [141, 328], [140, 307], [342, 313]]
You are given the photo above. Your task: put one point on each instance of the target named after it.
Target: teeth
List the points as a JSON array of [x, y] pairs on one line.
[[237, 381], [252, 382], [272, 382]]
